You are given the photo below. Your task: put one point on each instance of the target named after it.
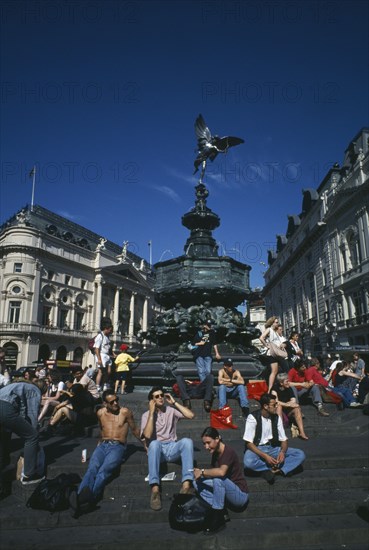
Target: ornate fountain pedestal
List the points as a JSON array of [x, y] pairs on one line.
[[197, 286]]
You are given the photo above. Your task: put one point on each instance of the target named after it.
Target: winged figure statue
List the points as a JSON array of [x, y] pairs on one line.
[[209, 146]]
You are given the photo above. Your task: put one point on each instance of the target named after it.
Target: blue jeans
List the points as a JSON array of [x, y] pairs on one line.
[[106, 458], [314, 391], [237, 391], [217, 491], [293, 459], [13, 422], [345, 393], [203, 365], [170, 451]]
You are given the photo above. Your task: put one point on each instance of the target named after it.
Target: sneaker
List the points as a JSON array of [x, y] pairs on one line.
[[322, 412], [34, 478], [207, 406], [355, 404], [155, 501]]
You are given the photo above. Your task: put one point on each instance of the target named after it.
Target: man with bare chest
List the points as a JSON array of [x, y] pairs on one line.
[[108, 456], [232, 384]]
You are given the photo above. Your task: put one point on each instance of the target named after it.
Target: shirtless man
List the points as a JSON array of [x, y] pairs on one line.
[[232, 384], [108, 456]]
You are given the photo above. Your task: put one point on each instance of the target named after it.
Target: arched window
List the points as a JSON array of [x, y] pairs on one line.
[[61, 353], [77, 355], [44, 352], [11, 355]]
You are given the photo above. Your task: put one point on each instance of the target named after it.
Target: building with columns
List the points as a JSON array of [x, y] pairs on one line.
[[318, 276], [58, 280]]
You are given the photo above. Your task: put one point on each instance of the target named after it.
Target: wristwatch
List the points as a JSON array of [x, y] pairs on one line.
[[202, 472]]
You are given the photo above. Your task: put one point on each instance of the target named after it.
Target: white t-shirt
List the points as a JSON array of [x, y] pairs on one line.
[[103, 343], [55, 388], [266, 430]]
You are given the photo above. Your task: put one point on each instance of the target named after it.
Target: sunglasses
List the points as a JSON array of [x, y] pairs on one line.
[[116, 400], [158, 396]]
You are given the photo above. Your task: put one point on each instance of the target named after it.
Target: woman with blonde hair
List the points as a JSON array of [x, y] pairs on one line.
[[287, 403], [270, 335]]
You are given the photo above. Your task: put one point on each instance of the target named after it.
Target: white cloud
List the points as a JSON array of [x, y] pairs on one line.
[[168, 192], [179, 175]]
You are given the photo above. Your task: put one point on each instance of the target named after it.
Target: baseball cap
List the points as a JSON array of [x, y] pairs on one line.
[[208, 322], [123, 347], [228, 362]]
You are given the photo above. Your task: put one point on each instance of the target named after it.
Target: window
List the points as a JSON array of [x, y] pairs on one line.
[[326, 311], [354, 249], [46, 316], [50, 275], [67, 279], [83, 283], [16, 290], [344, 257], [14, 312], [79, 320], [358, 303], [18, 268], [324, 276], [63, 316]]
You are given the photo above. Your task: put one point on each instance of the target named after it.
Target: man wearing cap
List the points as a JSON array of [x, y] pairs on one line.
[[122, 367], [204, 343], [232, 384]]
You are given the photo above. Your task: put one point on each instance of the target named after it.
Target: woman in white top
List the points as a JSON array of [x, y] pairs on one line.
[[270, 334], [56, 389]]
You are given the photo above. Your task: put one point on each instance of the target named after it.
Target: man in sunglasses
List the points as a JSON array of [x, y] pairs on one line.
[[158, 428], [108, 456]]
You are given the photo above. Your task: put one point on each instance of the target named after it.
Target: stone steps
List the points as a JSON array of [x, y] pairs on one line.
[[307, 532], [122, 509], [313, 510]]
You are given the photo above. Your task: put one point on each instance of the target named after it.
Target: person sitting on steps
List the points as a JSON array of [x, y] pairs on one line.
[[232, 384], [158, 429]]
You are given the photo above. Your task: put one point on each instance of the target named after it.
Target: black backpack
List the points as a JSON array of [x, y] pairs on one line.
[[53, 494], [189, 513]]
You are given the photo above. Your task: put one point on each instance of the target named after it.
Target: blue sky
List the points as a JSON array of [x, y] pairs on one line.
[[102, 97]]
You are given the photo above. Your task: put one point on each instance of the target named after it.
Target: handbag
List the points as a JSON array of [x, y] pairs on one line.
[[256, 388], [53, 494], [276, 352], [221, 419], [188, 513], [329, 396]]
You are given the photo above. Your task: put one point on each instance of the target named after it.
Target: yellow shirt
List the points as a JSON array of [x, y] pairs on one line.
[[122, 360]]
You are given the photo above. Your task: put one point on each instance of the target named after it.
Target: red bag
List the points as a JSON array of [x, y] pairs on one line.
[[329, 396], [221, 419], [256, 388], [176, 391]]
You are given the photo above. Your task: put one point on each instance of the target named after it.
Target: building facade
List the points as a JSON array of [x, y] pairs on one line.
[[317, 281], [58, 280]]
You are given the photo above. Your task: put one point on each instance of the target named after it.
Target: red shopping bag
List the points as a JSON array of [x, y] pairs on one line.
[[256, 388], [221, 419]]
